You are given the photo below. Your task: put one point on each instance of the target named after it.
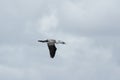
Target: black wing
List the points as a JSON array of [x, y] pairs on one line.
[[43, 41], [52, 50]]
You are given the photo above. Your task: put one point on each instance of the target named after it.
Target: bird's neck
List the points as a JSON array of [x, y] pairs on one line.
[[59, 42]]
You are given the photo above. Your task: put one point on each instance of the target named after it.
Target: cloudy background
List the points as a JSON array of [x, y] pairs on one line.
[[91, 29]]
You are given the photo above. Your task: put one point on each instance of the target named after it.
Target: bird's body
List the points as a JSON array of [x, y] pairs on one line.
[[51, 45]]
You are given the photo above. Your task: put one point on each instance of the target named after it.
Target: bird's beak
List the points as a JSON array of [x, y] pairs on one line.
[[63, 42]]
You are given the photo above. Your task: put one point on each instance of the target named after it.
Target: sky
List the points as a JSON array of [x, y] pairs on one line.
[[90, 28]]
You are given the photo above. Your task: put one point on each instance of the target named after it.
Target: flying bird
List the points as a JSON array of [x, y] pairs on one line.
[[51, 45]]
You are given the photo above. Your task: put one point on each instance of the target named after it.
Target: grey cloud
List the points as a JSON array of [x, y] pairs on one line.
[[90, 19], [90, 29]]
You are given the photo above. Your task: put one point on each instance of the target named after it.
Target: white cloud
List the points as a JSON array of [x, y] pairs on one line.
[[47, 22]]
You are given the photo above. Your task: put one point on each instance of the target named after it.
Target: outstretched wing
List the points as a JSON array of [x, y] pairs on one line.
[[52, 49], [43, 41]]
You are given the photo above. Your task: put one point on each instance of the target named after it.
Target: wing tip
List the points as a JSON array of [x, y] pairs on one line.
[[52, 57]]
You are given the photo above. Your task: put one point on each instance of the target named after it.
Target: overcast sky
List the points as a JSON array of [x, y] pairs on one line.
[[91, 29]]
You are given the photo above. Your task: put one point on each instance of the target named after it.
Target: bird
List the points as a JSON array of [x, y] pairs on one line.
[[51, 45]]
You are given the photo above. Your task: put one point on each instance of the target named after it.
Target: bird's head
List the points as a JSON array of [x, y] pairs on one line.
[[60, 42]]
